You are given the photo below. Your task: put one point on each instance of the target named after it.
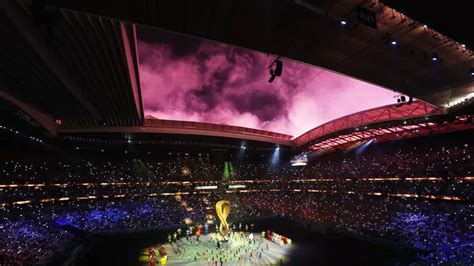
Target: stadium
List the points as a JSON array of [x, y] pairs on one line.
[[290, 132]]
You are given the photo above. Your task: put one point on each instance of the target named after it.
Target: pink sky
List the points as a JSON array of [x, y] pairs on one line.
[[186, 78]]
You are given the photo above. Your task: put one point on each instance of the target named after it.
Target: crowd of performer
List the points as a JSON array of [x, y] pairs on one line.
[[199, 246]]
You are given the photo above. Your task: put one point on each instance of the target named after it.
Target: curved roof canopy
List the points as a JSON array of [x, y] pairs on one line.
[[83, 68]]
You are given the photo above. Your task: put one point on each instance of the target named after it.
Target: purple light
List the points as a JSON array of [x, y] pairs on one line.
[[61, 221]]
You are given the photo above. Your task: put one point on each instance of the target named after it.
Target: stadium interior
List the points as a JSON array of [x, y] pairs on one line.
[[290, 132]]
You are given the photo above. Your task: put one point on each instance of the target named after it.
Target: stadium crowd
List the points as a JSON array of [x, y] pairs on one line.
[[410, 158], [441, 231], [31, 229]]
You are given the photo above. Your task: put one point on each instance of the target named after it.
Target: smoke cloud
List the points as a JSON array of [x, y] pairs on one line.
[[186, 78]]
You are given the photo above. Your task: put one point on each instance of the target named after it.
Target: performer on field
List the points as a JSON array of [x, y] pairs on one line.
[[151, 256]]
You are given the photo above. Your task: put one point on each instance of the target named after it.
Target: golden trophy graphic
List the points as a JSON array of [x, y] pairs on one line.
[[222, 210]]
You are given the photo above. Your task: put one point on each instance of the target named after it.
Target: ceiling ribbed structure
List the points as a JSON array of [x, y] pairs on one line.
[[311, 32], [78, 68]]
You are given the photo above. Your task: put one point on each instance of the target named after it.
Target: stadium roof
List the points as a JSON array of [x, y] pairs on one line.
[[383, 124], [453, 16], [311, 32], [82, 68], [160, 126], [368, 117], [73, 66]]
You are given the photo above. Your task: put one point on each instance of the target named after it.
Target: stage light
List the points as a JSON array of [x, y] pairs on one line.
[[241, 153], [463, 45], [363, 146], [343, 22], [399, 102], [434, 57], [275, 158], [77, 148], [471, 71], [394, 43], [425, 26]]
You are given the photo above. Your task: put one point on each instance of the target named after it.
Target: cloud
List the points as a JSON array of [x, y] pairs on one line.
[[186, 78]]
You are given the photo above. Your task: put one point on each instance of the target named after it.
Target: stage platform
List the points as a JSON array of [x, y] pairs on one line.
[[309, 247], [238, 250]]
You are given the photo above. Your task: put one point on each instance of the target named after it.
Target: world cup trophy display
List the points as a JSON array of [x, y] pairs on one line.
[[222, 211]]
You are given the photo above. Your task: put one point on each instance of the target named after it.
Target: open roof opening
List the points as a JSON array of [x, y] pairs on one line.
[[192, 79]]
